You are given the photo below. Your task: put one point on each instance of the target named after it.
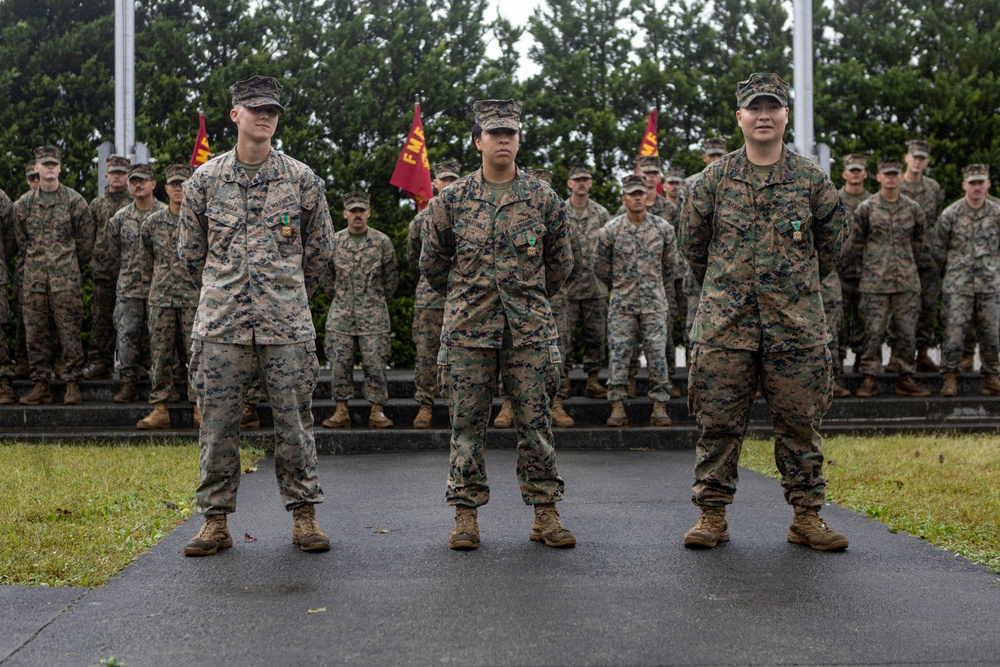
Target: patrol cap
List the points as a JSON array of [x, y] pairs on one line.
[[498, 114], [760, 84], [714, 146], [448, 169], [31, 168], [178, 173], [633, 183], [854, 161], [646, 163], [48, 155], [356, 199], [544, 175], [976, 172], [257, 91], [140, 171], [890, 165], [117, 164], [579, 170], [918, 148], [674, 175]]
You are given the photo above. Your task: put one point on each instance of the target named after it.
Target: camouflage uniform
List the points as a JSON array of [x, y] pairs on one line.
[[761, 246], [497, 263], [104, 269], [173, 300], [588, 297], [253, 315], [55, 240], [833, 309], [125, 242], [361, 280], [428, 314], [6, 255], [929, 195], [637, 262], [850, 279], [966, 241]]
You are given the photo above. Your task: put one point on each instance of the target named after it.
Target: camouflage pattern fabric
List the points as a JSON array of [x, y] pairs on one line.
[[850, 282], [833, 308], [375, 350], [889, 242], [170, 286], [132, 326], [626, 333], [169, 335], [930, 196], [104, 272], [497, 262], [361, 281], [425, 296], [797, 385], [560, 311], [661, 208], [6, 254], [592, 315], [229, 224], [221, 374], [427, 338], [584, 285], [65, 308], [967, 313], [530, 377], [876, 308], [760, 275]]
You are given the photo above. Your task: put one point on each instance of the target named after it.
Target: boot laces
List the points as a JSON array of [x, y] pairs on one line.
[[465, 522], [711, 520], [305, 520]]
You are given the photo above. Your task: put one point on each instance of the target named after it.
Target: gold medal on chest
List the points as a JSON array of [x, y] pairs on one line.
[[797, 235], [531, 247], [285, 229]]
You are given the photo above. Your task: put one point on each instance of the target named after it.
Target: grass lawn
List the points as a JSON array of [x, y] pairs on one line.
[[945, 489], [77, 515]]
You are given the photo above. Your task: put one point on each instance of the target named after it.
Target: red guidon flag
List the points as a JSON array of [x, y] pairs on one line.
[[201, 151], [412, 174], [648, 144]]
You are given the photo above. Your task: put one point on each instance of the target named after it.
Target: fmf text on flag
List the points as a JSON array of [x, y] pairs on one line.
[[201, 150], [413, 170]]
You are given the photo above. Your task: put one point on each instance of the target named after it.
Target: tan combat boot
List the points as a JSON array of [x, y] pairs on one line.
[[127, 393], [305, 531], [924, 363], [505, 418], [250, 418], [72, 395], [377, 418], [868, 388], [840, 392], [560, 419], [991, 386], [549, 529], [632, 389], [808, 529], [466, 533], [97, 371], [893, 365], [594, 388], [424, 416], [157, 419], [340, 418], [618, 417], [214, 535], [965, 365], [907, 386], [40, 393], [711, 529], [7, 393], [949, 386], [674, 392], [660, 416], [196, 417]]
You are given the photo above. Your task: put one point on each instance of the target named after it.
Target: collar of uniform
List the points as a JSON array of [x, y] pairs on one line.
[[740, 169], [268, 171], [520, 189], [60, 194], [365, 242]]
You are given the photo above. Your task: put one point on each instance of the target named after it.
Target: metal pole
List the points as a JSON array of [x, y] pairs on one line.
[[119, 79], [802, 50], [125, 77]]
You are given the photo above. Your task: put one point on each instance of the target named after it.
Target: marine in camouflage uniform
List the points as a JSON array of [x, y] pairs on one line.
[[928, 194], [362, 278], [125, 242], [55, 236], [104, 269], [761, 228], [889, 243], [673, 185], [16, 270], [497, 245], [588, 296], [7, 242], [256, 235], [428, 307], [852, 194], [966, 241], [636, 256], [172, 301]]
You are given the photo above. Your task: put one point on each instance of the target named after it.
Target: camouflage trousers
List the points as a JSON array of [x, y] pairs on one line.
[[560, 311], [964, 312], [221, 375], [169, 341], [904, 307], [797, 385], [530, 376], [592, 314], [6, 363], [930, 297], [679, 313], [427, 339], [375, 349], [626, 334], [102, 317], [133, 334], [65, 307], [852, 335], [833, 308]]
